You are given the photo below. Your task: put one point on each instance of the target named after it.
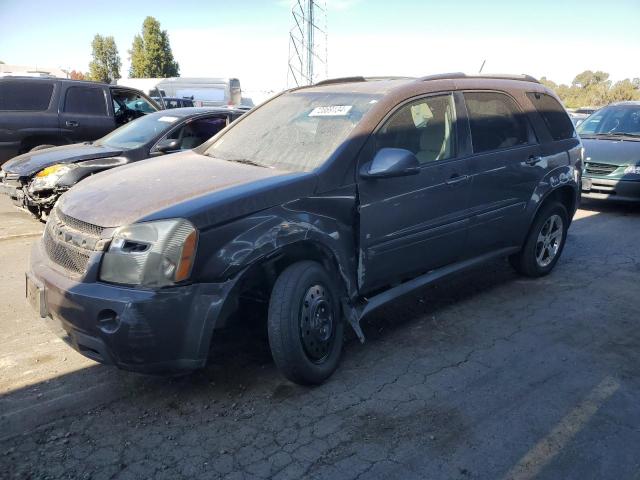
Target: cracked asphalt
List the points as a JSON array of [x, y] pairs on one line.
[[483, 376]]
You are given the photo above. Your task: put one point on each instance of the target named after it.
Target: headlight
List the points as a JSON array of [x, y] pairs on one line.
[[47, 178], [153, 254], [2, 174], [632, 170]]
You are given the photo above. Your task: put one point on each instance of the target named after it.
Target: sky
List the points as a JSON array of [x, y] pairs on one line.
[[249, 39]]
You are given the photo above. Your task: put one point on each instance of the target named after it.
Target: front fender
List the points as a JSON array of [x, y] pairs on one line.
[[89, 167], [325, 221]]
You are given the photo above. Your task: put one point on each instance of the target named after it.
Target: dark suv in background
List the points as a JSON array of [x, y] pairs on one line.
[[45, 112], [323, 204]]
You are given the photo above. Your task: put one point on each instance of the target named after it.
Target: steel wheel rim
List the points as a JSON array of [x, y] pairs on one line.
[[317, 323], [549, 240]]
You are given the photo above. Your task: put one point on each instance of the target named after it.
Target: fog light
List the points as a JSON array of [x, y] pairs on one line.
[[108, 321]]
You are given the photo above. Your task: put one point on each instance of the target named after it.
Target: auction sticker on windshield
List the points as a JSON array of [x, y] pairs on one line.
[[331, 111], [168, 119]]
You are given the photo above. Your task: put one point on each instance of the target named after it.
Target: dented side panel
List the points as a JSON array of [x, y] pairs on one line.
[[325, 221]]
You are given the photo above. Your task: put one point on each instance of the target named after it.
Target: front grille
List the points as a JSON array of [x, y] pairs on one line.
[[79, 225], [600, 168], [70, 258], [69, 242]]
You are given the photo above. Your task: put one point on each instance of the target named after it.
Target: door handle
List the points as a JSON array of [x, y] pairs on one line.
[[456, 179], [71, 123], [533, 160]]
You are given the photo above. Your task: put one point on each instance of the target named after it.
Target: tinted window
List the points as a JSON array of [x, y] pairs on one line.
[[424, 127], [34, 96], [196, 132], [495, 121], [555, 117], [85, 100]]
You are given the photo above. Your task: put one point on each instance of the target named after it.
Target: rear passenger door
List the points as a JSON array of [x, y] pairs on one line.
[[416, 223], [84, 113], [506, 167]]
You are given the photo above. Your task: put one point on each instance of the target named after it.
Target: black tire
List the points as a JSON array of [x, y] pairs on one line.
[[306, 352], [531, 261], [41, 147]]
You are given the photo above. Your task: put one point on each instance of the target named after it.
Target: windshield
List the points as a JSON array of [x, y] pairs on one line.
[[138, 132], [295, 132], [614, 120]]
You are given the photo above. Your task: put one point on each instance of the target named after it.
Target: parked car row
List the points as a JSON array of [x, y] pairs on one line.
[[35, 180], [322, 205]]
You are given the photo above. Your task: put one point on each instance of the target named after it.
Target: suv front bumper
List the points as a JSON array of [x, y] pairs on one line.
[[150, 331]]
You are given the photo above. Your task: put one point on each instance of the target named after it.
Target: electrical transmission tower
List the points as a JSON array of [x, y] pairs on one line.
[[307, 43]]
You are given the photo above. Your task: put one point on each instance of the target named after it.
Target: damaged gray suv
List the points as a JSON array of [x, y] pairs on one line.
[[324, 203]]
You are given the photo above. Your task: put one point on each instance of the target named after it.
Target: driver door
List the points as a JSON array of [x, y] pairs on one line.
[[412, 224]]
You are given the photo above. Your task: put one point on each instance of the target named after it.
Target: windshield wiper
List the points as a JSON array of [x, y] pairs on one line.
[[616, 134]]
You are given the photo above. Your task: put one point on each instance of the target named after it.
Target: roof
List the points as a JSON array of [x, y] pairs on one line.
[[626, 102], [191, 111], [54, 79], [383, 85]]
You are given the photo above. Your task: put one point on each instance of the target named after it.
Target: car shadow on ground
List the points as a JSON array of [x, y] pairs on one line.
[[241, 366]]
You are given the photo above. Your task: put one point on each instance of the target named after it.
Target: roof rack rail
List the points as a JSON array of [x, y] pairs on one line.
[[331, 81], [499, 76]]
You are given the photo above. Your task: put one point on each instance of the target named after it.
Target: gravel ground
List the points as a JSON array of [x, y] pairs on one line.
[[484, 376]]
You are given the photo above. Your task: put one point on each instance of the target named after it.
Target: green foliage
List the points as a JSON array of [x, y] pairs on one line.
[[105, 66], [594, 89], [151, 54]]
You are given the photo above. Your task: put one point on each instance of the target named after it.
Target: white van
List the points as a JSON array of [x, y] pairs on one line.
[[205, 92]]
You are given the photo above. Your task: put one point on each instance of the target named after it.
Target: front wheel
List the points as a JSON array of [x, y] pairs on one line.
[[305, 324], [545, 242]]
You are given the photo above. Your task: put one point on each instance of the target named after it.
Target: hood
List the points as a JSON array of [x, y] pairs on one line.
[[614, 152], [30, 163], [206, 190]]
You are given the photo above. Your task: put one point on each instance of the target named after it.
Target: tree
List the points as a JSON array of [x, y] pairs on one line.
[[151, 54], [105, 66], [623, 90], [1, 62], [75, 75]]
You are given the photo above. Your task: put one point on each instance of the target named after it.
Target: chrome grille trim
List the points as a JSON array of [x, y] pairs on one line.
[[79, 225], [69, 242], [600, 168]]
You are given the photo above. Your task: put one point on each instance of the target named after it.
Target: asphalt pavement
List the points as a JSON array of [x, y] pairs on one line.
[[486, 375]]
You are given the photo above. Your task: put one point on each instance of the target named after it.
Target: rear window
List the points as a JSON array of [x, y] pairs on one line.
[[85, 100], [25, 96], [555, 117], [495, 121]]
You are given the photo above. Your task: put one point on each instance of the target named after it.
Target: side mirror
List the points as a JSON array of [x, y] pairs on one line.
[[168, 145], [391, 162]]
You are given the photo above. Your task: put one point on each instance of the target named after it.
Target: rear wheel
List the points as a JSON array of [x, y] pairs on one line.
[[545, 242], [305, 325]]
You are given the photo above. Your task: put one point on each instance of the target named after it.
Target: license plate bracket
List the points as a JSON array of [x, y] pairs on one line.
[[35, 294], [586, 184]]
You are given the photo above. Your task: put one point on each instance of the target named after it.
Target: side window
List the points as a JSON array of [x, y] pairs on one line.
[[554, 115], [85, 100], [195, 133], [496, 122], [425, 127], [25, 96]]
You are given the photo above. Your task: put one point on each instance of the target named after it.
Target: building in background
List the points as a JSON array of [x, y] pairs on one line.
[[31, 71]]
